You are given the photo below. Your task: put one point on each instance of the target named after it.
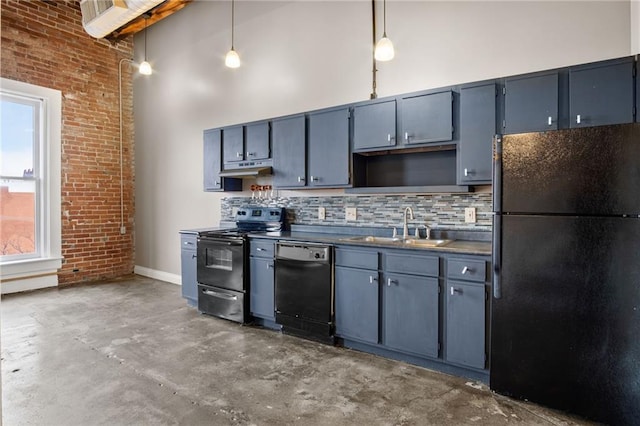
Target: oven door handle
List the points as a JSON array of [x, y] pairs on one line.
[[219, 295], [223, 241]]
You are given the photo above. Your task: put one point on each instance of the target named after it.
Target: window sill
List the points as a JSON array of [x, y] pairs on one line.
[[30, 267]]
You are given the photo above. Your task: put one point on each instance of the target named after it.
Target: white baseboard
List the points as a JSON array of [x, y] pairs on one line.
[[158, 275], [28, 284]]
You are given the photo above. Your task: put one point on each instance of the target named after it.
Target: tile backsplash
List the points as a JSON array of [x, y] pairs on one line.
[[444, 211]]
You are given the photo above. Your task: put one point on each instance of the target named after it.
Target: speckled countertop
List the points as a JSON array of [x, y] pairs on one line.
[[455, 246]]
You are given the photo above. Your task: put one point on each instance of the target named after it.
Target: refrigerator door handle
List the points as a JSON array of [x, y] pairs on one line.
[[497, 217], [497, 261]]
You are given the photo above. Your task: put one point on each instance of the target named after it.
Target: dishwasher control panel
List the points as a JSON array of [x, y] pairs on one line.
[[303, 252]]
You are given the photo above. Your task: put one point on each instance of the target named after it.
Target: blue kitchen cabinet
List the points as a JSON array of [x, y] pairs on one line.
[[233, 144], [477, 129], [289, 151], [426, 118], [356, 304], [410, 313], [466, 292], [531, 103], [601, 93], [401, 295], [374, 125], [262, 277], [257, 141], [328, 148], [212, 164], [465, 324], [188, 267]]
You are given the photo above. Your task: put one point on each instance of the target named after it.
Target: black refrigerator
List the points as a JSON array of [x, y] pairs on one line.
[[565, 314]]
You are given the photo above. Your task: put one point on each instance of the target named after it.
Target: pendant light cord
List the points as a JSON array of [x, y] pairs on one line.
[[384, 18], [374, 70], [232, 21], [145, 39]]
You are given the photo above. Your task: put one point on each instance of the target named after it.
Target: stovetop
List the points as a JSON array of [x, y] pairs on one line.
[[252, 220]]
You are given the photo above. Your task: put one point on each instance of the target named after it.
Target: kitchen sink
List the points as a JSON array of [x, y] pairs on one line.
[[414, 242]]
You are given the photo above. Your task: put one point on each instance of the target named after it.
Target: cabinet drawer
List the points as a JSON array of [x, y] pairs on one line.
[[188, 241], [364, 259], [466, 269], [411, 264], [262, 248]]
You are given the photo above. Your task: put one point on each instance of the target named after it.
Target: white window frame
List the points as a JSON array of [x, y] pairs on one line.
[[26, 273]]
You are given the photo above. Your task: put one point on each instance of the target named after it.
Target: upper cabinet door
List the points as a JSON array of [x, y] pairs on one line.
[[211, 165], [374, 126], [477, 128], [257, 141], [233, 144], [531, 103], [289, 152], [329, 148], [427, 118], [601, 94]]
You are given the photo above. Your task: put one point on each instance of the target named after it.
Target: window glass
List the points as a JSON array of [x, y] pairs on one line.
[[19, 180]]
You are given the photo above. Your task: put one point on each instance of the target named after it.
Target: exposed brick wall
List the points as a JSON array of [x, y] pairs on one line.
[[44, 43]]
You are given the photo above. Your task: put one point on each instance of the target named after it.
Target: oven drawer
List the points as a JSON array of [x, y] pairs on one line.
[[222, 303]]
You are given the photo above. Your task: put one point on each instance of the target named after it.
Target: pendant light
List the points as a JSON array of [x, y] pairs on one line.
[[232, 60], [384, 48], [145, 67]]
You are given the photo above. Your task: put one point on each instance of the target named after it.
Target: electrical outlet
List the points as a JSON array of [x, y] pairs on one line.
[[470, 215], [322, 213], [350, 213], [123, 230]]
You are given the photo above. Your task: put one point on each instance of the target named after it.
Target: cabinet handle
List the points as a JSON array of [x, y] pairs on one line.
[[549, 121], [454, 291], [238, 155], [269, 265], [467, 172], [388, 137], [406, 136], [372, 279], [314, 179], [465, 270], [251, 154], [261, 249], [193, 256], [300, 179], [188, 243], [578, 119], [390, 281], [217, 183]]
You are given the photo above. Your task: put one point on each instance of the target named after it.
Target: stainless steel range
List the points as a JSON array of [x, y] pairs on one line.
[[223, 262]]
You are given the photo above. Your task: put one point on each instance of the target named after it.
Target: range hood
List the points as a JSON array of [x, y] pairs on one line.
[[249, 172], [248, 169]]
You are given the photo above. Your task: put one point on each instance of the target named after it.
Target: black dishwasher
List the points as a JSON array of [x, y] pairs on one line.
[[304, 290]]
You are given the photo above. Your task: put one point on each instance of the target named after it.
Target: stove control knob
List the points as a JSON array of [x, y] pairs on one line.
[[317, 255]]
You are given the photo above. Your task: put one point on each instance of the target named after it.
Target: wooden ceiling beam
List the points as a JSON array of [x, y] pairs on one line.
[[154, 15]]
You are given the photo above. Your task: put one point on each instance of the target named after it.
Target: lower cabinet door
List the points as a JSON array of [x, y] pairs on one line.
[[465, 329], [356, 304], [189, 282], [410, 314], [261, 300]]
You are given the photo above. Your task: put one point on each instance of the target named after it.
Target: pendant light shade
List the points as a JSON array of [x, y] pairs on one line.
[[145, 67], [384, 48], [232, 60]]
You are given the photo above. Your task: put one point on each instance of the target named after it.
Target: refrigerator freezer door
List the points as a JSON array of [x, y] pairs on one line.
[[565, 331], [591, 171]]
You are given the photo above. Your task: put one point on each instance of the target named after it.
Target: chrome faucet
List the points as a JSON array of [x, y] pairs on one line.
[[405, 229]]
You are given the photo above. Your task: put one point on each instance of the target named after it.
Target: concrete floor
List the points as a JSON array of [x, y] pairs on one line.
[[131, 352]]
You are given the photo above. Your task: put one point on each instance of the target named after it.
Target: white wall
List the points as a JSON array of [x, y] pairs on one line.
[[304, 55]]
